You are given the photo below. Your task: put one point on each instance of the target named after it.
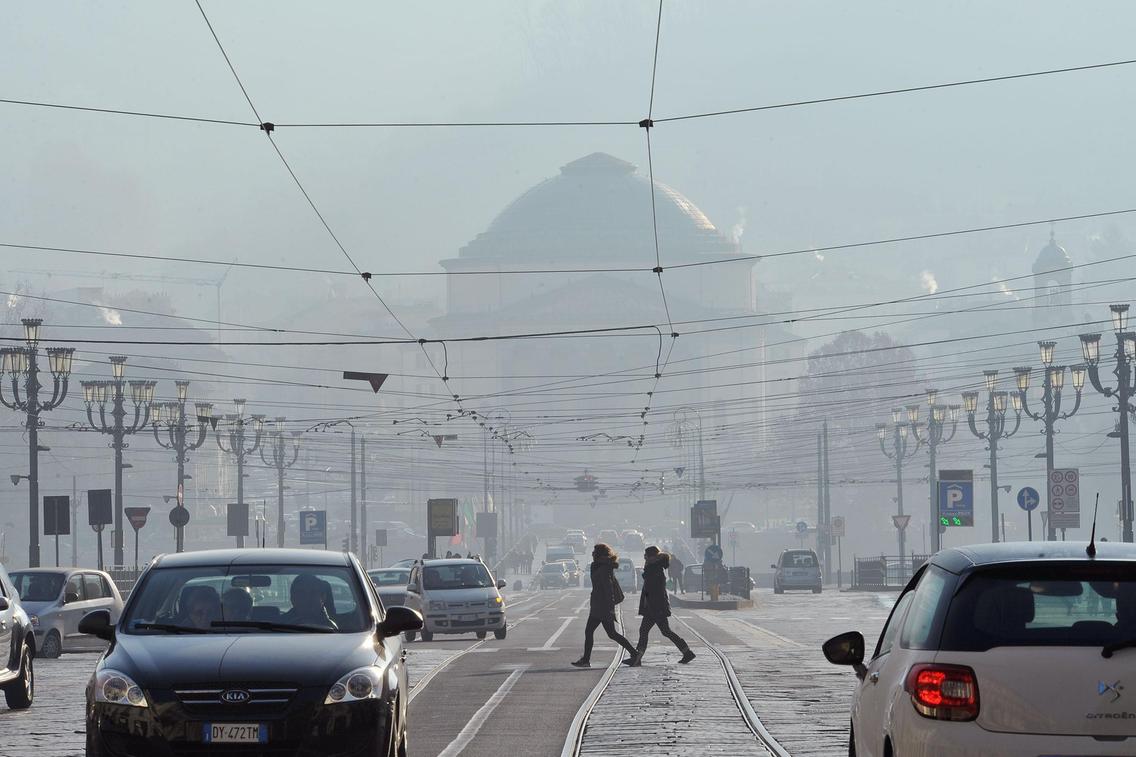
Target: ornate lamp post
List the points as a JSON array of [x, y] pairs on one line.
[[183, 437], [936, 433], [995, 431], [240, 447], [1053, 381], [23, 367], [141, 396], [900, 450], [280, 454], [1125, 352]]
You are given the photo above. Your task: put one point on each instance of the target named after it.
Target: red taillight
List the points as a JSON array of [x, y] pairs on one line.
[[943, 692]]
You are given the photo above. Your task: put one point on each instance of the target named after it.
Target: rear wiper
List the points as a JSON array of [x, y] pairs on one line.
[[268, 625], [1108, 649], [169, 627]]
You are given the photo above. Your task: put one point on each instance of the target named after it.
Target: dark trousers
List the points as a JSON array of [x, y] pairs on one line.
[[608, 623], [664, 628]]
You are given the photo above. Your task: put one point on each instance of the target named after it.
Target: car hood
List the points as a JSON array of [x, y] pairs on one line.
[[37, 608], [307, 659]]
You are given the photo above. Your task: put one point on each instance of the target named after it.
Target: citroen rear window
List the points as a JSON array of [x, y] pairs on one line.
[[1043, 604]]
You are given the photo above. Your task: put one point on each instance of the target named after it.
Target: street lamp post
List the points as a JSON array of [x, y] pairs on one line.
[[1053, 381], [279, 453], [995, 431], [936, 433], [22, 364], [1125, 353], [240, 447], [901, 450], [141, 396], [183, 438]]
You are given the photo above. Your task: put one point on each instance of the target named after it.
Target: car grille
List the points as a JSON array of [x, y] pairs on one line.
[[264, 699], [462, 605]]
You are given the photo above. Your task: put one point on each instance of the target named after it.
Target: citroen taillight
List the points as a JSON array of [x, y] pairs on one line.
[[943, 692]]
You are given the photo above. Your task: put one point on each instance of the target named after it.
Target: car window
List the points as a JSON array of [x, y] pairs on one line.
[[388, 577], [798, 559], [1042, 604], [34, 586], [891, 628], [93, 586], [456, 576], [74, 586], [107, 591], [924, 619]]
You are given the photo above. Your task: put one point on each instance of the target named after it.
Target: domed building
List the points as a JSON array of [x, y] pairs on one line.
[[1052, 280]]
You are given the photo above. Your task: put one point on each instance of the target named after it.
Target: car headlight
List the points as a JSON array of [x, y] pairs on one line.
[[35, 620], [436, 605], [363, 683], [113, 687], [495, 603]]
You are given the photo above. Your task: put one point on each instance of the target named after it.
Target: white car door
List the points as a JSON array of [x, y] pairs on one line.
[[870, 702]]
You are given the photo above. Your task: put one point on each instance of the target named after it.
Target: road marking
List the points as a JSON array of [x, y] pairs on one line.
[[552, 639], [481, 717], [543, 649], [579, 722], [418, 687], [777, 636]]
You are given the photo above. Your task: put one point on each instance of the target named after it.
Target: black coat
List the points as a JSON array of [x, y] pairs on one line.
[[603, 589], [653, 602]]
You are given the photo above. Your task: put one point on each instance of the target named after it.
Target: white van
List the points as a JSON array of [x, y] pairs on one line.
[[627, 575]]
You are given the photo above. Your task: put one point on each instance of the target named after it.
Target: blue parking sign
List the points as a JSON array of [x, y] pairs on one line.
[[956, 498], [313, 527]]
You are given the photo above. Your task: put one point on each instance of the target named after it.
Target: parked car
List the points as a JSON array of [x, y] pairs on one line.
[[692, 577], [627, 575], [553, 575], [1008, 649], [56, 599], [245, 651], [390, 584], [17, 648], [456, 595], [405, 563], [796, 569]]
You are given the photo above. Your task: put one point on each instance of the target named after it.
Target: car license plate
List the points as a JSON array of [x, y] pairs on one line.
[[467, 618], [235, 733]]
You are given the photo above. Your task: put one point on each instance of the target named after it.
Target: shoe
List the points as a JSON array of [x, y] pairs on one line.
[[635, 660], [582, 663], [687, 656]]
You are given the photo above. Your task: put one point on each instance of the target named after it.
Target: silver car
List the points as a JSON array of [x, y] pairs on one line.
[[56, 599], [796, 569]]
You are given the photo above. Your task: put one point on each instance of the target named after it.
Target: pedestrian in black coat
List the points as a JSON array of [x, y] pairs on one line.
[[606, 594], [655, 606]]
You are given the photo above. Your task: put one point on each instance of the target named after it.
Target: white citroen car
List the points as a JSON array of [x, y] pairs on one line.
[[1002, 649]]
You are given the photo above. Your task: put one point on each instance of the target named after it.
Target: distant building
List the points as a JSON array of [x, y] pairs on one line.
[[1052, 281]]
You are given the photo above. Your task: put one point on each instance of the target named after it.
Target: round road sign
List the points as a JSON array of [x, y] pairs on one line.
[[179, 516], [1028, 498], [713, 553], [802, 527]]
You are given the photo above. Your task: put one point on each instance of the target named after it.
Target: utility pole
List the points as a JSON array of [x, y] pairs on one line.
[[363, 541], [173, 416], [936, 434], [239, 447], [900, 451], [827, 513], [995, 432], [74, 522], [353, 541], [280, 462]]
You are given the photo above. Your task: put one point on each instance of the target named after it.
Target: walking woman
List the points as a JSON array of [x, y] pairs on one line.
[[655, 607], [606, 594]]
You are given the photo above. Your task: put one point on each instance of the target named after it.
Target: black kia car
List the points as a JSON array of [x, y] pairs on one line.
[[250, 652]]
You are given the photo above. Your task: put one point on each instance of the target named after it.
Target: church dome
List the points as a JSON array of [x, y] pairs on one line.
[[1052, 257], [599, 207]]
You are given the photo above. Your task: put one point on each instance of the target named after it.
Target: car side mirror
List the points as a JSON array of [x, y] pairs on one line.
[[70, 597], [4, 604], [398, 620], [847, 649], [97, 623], [501, 584]]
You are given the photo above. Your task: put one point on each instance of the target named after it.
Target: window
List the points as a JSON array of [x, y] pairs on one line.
[[34, 586], [799, 559], [107, 592], [93, 586], [924, 620], [458, 576], [891, 630], [74, 589]]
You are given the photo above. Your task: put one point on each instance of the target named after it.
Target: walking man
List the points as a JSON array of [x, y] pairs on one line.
[[675, 570], [606, 594], [655, 607]]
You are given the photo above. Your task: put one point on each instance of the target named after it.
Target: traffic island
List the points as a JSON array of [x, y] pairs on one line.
[[724, 602]]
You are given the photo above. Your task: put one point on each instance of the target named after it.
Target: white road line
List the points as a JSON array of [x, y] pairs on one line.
[[481, 717], [777, 636]]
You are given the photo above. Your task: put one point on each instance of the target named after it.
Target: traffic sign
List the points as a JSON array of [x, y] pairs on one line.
[[704, 519], [98, 507], [900, 521], [442, 517], [956, 498], [733, 536], [136, 516], [380, 537], [237, 519], [179, 516], [313, 527], [1028, 498], [838, 526], [1065, 498], [802, 527], [713, 553]]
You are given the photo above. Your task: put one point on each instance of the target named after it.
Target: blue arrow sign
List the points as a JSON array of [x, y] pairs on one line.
[[802, 527], [1028, 498]]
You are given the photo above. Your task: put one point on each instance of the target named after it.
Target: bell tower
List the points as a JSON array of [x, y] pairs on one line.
[[1052, 280]]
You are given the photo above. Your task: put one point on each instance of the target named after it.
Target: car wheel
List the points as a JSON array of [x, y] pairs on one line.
[[427, 635], [817, 590], [481, 634], [410, 635], [20, 692], [52, 646], [777, 589], [499, 634]]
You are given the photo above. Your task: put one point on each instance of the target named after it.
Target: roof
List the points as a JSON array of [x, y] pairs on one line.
[[454, 561], [252, 557], [598, 207], [957, 559], [1051, 257], [60, 571]]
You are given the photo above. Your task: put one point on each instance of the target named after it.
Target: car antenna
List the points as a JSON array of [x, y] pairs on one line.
[[1091, 550]]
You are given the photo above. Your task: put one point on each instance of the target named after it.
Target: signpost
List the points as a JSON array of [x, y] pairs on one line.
[[137, 518], [380, 542], [704, 523], [238, 521], [838, 534], [1028, 499], [712, 563], [956, 498], [802, 529], [56, 520], [1064, 499], [486, 526], [441, 520], [313, 527], [99, 515]]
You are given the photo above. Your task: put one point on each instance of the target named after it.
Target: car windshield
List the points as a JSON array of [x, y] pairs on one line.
[[459, 576], [1089, 604], [249, 599], [389, 577], [552, 568], [798, 560], [36, 586]]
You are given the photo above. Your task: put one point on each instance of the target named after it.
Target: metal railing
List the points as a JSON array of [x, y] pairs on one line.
[[884, 572]]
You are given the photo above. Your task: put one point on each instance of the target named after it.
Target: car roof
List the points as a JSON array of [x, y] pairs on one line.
[[453, 561], [399, 569], [252, 557], [959, 559], [57, 571]]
